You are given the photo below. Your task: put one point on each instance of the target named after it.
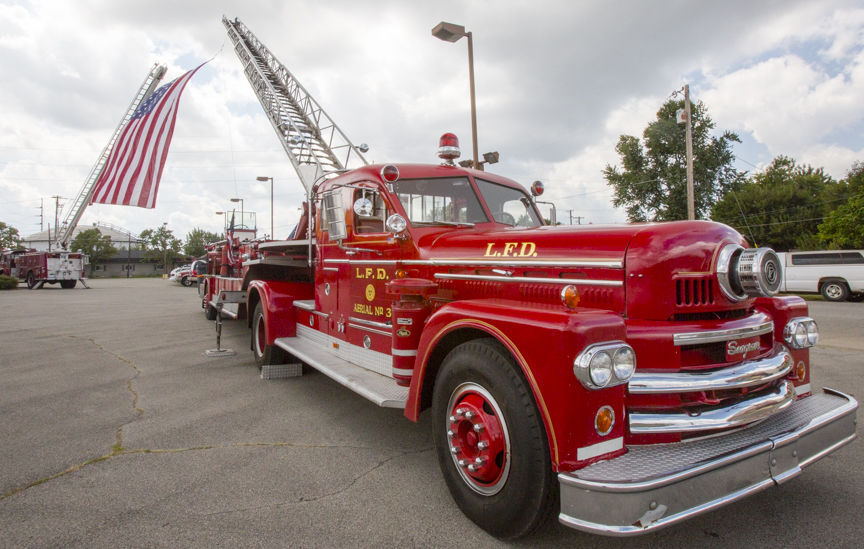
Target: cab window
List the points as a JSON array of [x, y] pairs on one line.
[[439, 201], [508, 205], [370, 211]]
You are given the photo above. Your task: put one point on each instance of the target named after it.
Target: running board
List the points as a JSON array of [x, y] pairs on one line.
[[381, 390]]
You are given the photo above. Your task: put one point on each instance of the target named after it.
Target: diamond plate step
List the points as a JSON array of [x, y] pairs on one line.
[[381, 390]]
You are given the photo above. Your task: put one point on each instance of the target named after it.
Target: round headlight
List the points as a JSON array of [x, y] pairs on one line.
[[396, 224], [600, 369], [812, 333], [624, 363]]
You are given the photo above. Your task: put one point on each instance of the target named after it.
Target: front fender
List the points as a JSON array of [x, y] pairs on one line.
[[543, 340], [277, 301]]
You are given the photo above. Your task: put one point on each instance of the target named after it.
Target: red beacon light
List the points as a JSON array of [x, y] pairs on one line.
[[390, 173], [448, 148]]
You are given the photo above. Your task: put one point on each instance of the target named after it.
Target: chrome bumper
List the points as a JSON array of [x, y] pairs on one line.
[[654, 486]]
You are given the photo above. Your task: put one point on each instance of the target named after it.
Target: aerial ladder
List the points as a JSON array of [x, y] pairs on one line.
[[313, 142]]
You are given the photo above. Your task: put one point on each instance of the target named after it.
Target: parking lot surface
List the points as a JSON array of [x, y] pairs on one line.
[[117, 431]]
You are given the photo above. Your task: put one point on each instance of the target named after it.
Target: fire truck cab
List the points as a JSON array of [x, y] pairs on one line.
[[625, 377]]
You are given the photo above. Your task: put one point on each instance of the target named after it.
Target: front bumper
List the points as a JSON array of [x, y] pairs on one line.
[[654, 486]]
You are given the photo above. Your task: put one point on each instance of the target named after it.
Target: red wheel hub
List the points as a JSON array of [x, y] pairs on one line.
[[478, 440]]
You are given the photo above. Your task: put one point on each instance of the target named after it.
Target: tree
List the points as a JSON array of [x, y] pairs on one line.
[[652, 181], [96, 245], [780, 207], [160, 245], [9, 237], [196, 240], [844, 226]]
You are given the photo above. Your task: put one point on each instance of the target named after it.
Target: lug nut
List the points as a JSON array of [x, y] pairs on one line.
[[451, 434], [452, 419], [454, 450], [460, 412], [479, 460], [463, 463], [482, 445], [478, 427], [469, 414], [472, 468]]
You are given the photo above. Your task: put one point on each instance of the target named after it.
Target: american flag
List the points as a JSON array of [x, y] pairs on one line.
[[132, 172]]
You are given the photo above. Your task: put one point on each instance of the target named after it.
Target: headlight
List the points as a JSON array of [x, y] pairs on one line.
[[624, 363], [605, 365], [801, 332], [600, 368]]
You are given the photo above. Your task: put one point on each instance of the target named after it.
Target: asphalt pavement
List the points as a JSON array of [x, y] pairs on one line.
[[117, 431]]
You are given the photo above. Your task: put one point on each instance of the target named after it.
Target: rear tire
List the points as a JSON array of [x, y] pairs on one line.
[[31, 280], [186, 281], [834, 290], [67, 284], [264, 354], [513, 490]]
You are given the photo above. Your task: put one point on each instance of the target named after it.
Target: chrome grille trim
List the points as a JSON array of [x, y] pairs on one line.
[[753, 409], [712, 336], [745, 374]]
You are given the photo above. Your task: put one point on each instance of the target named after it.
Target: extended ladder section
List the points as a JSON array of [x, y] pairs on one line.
[[76, 210], [314, 143]]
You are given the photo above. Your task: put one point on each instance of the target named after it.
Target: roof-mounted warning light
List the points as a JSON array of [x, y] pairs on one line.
[[448, 148]]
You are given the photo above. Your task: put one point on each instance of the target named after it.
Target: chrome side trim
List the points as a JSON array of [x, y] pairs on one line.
[[694, 338], [372, 323], [599, 263], [744, 374], [368, 329], [740, 413], [529, 280], [306, 305]]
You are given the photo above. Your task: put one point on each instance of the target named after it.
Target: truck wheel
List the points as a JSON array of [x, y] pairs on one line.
[[834, 290], [31, 280], [186, 281], [491, 442], [264, 354], [67, 284]]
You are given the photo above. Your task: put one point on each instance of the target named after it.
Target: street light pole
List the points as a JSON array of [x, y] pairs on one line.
[[265, 178], [452, 33]]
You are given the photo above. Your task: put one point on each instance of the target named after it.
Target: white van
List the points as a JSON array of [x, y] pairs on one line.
[[837, 274]]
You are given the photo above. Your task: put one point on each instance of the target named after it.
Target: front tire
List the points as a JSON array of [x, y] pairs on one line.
[[490, 441], [835, 290], [186, 281], [31, 280], [264, 354]]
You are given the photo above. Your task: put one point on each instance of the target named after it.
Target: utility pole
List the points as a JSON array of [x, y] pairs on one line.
[[691, 205], [56, 215]]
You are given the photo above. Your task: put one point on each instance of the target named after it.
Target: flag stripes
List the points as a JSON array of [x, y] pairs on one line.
[[134, 168]]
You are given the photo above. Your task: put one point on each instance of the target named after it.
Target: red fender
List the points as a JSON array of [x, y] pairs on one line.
[[551, 337], [277, 301]]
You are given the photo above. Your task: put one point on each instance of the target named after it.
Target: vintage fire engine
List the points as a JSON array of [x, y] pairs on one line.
[[624, 377]]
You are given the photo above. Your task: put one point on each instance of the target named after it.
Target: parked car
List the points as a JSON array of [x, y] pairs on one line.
[[188, 274], [836, 274]]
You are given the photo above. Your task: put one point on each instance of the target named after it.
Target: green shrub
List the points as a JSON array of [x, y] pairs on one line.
[[7, 282]]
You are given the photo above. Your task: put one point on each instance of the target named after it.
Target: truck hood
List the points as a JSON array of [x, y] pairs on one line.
[[648, 258]]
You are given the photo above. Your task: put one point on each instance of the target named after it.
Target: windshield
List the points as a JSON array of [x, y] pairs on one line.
[[439, 201], [508, 205]]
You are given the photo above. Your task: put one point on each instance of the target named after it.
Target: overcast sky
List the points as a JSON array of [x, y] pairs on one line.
[[557, 83]]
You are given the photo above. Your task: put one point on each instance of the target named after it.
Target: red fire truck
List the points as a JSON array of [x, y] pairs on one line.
[[624, 377], [39, 268]]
